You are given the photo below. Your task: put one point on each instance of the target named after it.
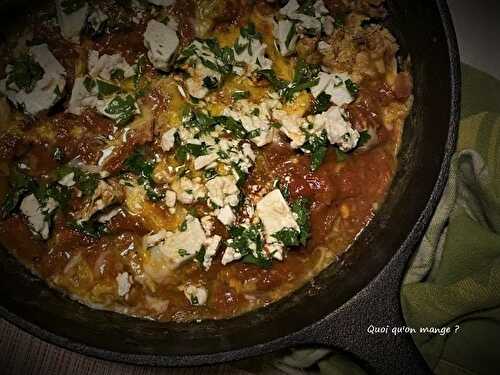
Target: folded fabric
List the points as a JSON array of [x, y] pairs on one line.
[[454, 278]]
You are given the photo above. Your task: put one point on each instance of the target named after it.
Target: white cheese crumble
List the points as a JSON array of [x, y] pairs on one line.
[[226, 215], [275, 214], [170, 198], [180, 246], [161, 41], [103, 66], [168, 139], [105, 154], [291, 126], [211, 246], [230, 255], [123, 282], [253, 55], [47, 90], [187, 190], [104, 218], [71, 24], [286, 36], [335, 86], [310, 23], [196, 295], [38, 215], [204, 161], [338, 129], [223, 190], [97, 18], [68, 180]]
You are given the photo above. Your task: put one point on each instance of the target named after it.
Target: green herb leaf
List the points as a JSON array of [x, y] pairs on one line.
[[233, 126], [321, 103], [20, 185], [91, 228], [122, 108], [363, 138], [184, 151], [287, 236], [210, 82], [317, 146], [352, 88], [104, 88], [238, 95], [25, 73], [117, 74], [301, 208]]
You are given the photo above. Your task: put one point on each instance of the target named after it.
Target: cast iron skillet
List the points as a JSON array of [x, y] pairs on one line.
[[337, 306]]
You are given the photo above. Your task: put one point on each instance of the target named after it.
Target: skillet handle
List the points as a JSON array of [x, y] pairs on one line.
[[377, 305]]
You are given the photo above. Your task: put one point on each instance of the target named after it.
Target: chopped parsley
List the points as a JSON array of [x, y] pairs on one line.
[[117, 74], [25, 73], [317, 146], [243, 239], [301, 208], [240, 94], [305, 77], [138, 164], [364, 137], [288, 237], [197, 119], [183, 252], [235, 127], [352, 87], [122, 108], [20, 185], [85, 182], [321, 103], [103, 88], [91, 228], [182, 153], [210, 82]]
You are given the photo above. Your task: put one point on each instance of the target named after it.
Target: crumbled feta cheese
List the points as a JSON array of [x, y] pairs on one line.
[[226, 215], [306, 22], [196, 295], [328, 25], [276, 249], [170, 198], [230, 254], [223, 190], [333, 85], [97, 18], [104, 218], [195, 83], [181, 245], [168, 139], [286, 36], [123, 281], [211, 246], [204, 160], [105, 154], [253, 55], [81, 98], [153, 239], [161, 41], [67, 180], [291, 126], [103, 66], [37, 214], [71, 24], [47, 90], [324, 47], [338, 129], [188, 190], [247, 151], [275, 214], [207, 224]]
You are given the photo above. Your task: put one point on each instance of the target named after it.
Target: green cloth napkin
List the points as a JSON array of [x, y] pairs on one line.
[[453, 280]]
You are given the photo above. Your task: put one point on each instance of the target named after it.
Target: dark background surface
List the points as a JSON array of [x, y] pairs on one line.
[[478, 33]]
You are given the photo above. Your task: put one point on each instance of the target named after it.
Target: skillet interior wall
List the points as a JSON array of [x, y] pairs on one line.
[[28, 302]]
